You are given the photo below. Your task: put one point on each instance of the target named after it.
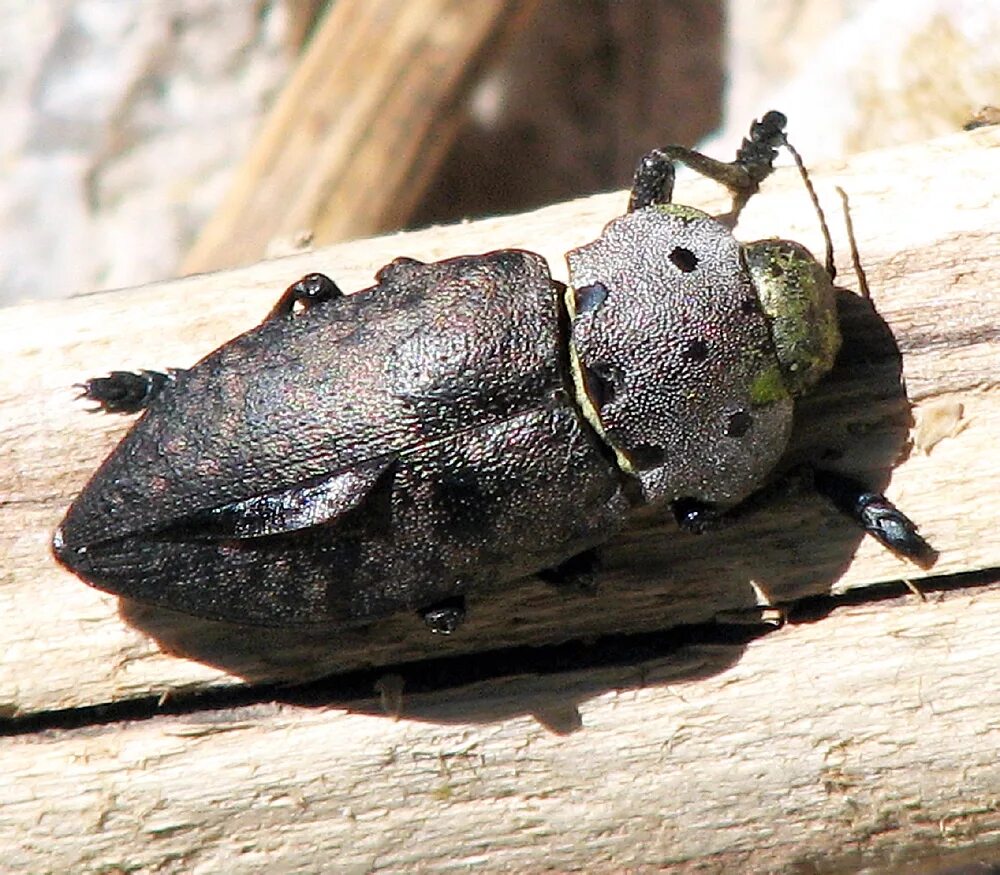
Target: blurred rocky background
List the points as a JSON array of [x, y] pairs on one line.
[[141, 139]]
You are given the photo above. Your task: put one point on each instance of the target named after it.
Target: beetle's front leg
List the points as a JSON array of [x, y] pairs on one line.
[[876, 515], [654, 178], [872, 511], [125, 391]]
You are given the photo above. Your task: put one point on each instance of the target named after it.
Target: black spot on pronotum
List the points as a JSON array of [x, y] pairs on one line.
[[738, 424], [696, 350], [600, 384], [683, 259], [589, 298], [645, 456]]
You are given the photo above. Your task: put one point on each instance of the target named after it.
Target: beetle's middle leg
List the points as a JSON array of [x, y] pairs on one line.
[[444, 617], [654, 178]]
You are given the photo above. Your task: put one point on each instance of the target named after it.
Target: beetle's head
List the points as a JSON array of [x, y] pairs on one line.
[[688, 347], [800, 301]]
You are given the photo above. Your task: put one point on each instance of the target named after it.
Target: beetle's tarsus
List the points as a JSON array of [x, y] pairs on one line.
[[878, 516], [312, 289], [654, 178], [444, 617], [757, 153], [124, 391], [653, 182]]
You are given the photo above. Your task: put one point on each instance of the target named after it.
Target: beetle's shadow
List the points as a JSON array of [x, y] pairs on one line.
[[654, 579], [546, 682]]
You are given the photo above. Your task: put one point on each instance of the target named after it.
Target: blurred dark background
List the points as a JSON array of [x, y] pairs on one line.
[[145, 140]]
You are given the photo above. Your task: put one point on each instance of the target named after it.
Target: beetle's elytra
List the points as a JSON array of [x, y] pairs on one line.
[[468, 422]]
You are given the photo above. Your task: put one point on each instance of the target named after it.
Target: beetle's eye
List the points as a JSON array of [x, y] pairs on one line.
[[589, 298], [683, 259]]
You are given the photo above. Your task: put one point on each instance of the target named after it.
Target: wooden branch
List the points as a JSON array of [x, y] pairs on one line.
[[868, 734], [359, 131], [927, 226], [866, 739]]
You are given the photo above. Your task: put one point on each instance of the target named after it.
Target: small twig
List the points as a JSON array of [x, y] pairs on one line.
[[852, 240]]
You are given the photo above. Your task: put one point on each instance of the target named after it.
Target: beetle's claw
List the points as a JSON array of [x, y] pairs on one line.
[[757, 153]]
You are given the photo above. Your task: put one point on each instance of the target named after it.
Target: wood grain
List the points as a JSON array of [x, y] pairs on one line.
[[868, 737]]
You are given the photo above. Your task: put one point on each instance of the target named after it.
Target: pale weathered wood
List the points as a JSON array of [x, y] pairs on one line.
[[868, 738], [927, 221], [361, 127]]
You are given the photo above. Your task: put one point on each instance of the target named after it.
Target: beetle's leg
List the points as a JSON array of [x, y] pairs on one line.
[[653, 182], [654, 178], [444, 617], [125, 391], [757, 152], [876, 515], [579, 572], [312, 289]]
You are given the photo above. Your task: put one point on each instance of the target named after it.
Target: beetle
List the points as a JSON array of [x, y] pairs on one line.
[[469, 422]]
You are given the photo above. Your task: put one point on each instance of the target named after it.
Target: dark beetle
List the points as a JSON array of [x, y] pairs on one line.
[[468, 422]]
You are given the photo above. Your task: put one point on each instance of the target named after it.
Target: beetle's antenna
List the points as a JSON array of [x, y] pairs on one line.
[[830, 269]]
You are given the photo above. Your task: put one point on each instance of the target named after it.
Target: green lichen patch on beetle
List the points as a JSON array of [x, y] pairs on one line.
[[768, 386], [681, 211], [797, 294]]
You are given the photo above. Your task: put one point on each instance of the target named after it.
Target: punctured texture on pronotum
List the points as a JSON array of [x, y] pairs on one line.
[[678, 360]]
